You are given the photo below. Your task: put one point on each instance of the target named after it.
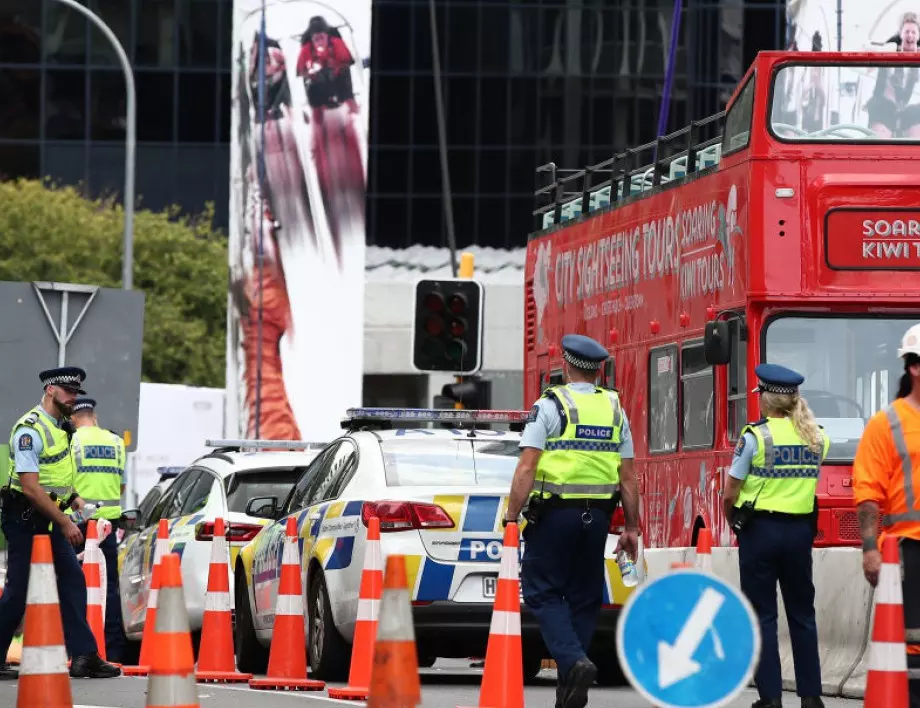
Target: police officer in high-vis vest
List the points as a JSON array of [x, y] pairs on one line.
[[770, 501], [99, 460], [40, 486], [576, 460]]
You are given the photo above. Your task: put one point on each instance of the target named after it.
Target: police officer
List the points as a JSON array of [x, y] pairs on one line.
[[769, 500], [40, 466], [575, 459], [99, 461]]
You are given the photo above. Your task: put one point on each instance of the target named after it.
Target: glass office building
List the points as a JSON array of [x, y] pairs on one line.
[[524, 82]]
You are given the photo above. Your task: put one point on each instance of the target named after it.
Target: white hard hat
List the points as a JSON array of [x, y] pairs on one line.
[[910, 344]]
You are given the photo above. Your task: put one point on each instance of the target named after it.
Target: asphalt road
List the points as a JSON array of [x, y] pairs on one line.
[[447, 687]]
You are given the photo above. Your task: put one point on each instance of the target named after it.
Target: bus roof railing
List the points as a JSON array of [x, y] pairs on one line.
[[570, 193]]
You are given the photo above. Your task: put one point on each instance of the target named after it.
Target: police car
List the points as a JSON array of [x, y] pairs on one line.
[[219, 484], [440, 495]]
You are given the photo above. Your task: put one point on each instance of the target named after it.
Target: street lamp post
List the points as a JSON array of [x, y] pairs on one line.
[[127, 264]]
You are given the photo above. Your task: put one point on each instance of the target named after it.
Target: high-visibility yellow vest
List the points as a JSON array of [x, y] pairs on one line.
[[99, 461], [55, 469], [784, 471], [583, 462]]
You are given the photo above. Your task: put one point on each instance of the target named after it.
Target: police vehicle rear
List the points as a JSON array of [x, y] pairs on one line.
[[440, 494]]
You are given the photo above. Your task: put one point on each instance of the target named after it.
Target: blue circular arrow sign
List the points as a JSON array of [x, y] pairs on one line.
[[688, 640]]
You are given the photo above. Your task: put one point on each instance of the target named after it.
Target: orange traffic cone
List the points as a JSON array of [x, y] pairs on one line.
[[704, 549], [150, 618], [362, 652], [171, 683], [92, 571], [886, 683], [216, 661], [394, 676], [43, 676], [503, 676], [287, 658]]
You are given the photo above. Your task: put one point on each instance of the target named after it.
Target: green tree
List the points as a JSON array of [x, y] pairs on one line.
[[54, 233]]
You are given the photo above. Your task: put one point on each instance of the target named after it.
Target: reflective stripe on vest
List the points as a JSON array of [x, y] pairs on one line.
[[55, 468], [907, 471], [575, 465]]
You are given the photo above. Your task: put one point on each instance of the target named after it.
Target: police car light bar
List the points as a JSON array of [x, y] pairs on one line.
[[263, 444], [438, 415]]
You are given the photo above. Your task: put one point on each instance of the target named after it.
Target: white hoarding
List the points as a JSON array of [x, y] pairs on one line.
[[309, 217]]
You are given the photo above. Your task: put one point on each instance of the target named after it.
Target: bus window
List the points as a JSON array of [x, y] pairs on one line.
[[850, 365], [556, 378], [610, 374], [697, 394], [738, 121], [662, 399], [737, 381]]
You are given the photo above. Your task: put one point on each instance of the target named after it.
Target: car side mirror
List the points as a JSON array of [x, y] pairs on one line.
[[263, 507], [129, 519], [717, 345]]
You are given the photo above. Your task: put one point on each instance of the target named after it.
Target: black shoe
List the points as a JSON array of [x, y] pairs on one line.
[[579, 680], [8, 673], [92, 666], [768, 703], [812, 702]]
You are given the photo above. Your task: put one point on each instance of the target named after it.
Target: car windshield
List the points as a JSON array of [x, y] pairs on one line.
[[485, 461], [854, 102], [851, 369], [243, 486]]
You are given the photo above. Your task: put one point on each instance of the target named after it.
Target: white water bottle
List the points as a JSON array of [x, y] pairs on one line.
[[627, 569], [83, 514]]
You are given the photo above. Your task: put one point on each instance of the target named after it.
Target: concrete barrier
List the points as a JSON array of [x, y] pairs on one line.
[[843, 607]]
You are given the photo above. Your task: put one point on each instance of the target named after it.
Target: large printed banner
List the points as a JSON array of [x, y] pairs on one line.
[[868, 101], [309, 217]]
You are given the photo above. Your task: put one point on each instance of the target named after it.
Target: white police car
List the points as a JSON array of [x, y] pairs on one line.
[[219, 484], [440, 495]]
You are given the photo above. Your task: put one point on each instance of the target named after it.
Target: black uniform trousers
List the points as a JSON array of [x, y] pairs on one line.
[[71, 585], [562, 579], [777, 548], [115, 640]]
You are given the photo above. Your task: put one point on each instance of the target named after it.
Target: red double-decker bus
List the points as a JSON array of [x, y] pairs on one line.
[[785, 229]]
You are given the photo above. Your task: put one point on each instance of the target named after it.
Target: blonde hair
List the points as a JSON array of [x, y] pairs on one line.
[[794, 407], [909, 17]]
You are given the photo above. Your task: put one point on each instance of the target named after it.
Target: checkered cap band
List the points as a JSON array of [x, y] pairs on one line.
[[774, 388], [83, 404], [64, 380], [578, 362]]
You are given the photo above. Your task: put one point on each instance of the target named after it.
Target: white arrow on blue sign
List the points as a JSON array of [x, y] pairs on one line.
[[688, 640]]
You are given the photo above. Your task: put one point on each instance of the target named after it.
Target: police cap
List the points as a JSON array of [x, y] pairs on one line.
[[774, 378], [71, 377], [583, 352], [84, 403]]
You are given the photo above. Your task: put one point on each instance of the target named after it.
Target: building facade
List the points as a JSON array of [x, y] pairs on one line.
[[524, 82]]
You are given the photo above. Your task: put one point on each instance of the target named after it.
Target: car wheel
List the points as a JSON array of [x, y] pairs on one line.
[[330, 654], [251, 657]]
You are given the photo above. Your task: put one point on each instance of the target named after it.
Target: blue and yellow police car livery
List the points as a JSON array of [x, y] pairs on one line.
[[217, 485], [440, 495]]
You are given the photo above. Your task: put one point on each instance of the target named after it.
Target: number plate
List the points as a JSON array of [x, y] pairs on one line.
[[489, 583]]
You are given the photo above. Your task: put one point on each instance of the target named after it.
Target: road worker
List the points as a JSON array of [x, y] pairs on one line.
[[886, 473], [771, 503], [576, 459], [41, 466], [99, 460]]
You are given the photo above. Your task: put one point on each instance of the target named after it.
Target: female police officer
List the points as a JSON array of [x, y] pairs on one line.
[[769, 499]]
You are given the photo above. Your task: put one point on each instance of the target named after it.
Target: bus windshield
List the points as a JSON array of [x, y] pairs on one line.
[[851, 368], [852, 102]]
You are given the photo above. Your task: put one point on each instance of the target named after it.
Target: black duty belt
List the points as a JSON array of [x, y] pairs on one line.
[[560, 503], [780, 515]]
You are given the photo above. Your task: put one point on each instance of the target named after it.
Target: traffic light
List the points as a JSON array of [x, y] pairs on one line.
[[472, 394], [447, 327]]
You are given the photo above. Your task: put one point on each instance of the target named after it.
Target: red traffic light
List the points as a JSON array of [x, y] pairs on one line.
[[457, 303], [457, 328], [434, 325], [434, 302]]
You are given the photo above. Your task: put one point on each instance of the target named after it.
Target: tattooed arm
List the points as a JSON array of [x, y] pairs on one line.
[[868, 514]]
